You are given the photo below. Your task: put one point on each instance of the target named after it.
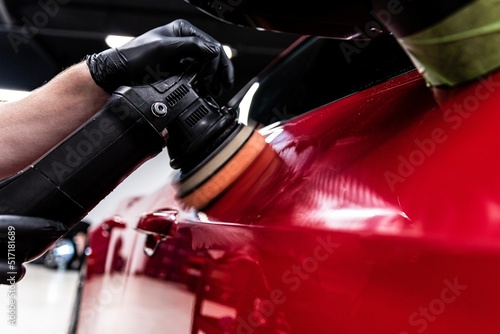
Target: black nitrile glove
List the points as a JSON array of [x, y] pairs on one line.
[[22, 239], [158, 52]]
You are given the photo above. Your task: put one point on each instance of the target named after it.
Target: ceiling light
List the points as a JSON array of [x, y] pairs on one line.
[[7, 95], [230, 52], [115, 41]]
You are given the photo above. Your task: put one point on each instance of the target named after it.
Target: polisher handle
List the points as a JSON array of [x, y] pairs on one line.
[[78, 173]]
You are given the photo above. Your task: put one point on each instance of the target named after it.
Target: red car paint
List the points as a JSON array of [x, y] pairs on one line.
[[375, 213]]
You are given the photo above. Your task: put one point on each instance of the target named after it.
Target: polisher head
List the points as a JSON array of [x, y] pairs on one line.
[[217, 172]]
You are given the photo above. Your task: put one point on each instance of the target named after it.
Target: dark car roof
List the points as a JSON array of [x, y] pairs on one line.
[[345, 19]]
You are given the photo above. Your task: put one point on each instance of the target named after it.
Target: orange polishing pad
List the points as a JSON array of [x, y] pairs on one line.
[[221, 171]]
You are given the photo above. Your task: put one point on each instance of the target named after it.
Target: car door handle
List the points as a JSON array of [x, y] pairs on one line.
[[158, 226], [115, 222]]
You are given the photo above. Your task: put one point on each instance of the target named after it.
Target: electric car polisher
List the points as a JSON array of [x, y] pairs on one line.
[[205, 143]]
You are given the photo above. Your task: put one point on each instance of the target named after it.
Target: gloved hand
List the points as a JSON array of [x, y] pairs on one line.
[[10, 274], [22, 239], [168, 48]]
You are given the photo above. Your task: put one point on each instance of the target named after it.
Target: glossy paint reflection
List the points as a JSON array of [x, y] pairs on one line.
[[399, 191], [373, 214]]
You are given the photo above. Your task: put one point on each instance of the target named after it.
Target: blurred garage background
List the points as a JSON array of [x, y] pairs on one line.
[[38, 39]]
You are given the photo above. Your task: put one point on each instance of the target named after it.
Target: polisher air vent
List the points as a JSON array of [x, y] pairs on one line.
[[196, 116], [176, 95]]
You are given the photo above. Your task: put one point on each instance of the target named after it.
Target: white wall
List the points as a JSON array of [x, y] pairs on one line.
[[146, 179]]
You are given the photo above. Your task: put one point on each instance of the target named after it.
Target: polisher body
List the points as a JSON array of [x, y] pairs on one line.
[[133, 126]]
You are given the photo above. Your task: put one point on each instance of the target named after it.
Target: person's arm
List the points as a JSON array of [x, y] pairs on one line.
[[33, 125]]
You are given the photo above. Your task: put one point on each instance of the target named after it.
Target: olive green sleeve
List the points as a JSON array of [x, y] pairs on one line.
[[464, 46]]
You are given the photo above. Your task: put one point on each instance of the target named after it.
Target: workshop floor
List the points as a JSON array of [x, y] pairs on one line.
[[45, 300]]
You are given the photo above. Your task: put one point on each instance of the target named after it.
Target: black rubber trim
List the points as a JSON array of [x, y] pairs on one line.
[[406, 17]]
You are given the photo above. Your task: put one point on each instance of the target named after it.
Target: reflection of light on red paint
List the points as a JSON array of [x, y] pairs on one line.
[[216, 310], [336, 218], [271, 132], [343, 203], [381, 220]]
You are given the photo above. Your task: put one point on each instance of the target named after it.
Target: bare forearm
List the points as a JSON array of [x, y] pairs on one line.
[[33, 125]]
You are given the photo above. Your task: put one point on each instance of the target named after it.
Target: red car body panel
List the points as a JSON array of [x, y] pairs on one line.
[[375, 213]]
